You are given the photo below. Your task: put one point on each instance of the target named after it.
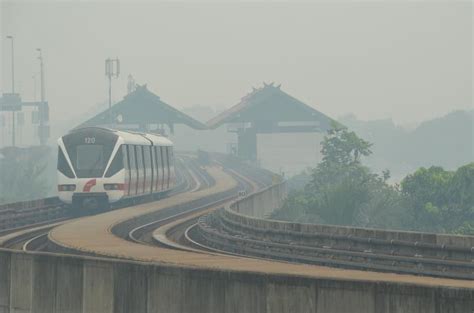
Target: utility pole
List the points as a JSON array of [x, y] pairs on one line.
[[13, 89], [112, 69], [34, 86], [131, 85], [42, 107], [12, 102]]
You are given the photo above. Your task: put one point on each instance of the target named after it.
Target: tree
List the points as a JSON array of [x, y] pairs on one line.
[[339, 185], [461, 189], [22, 178], [344, 191], [427, 191], [342, 148], [441, 200]]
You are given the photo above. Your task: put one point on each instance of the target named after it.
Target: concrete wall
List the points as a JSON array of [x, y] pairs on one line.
[[261, 204], [47, 283], [252, 209]]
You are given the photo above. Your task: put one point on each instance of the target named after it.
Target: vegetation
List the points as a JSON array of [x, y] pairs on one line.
[[442, 200], [23, 177], [431, 142], [343, 191]]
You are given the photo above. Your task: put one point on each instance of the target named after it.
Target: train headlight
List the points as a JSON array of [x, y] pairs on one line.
[[114, 186], [69, 187]]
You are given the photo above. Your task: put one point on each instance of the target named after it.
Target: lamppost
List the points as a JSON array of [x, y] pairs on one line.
[[13, 64], [34, 86], [13, 88], [41, 111]]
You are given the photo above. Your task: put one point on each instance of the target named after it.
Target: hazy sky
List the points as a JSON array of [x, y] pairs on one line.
[[407, 60]]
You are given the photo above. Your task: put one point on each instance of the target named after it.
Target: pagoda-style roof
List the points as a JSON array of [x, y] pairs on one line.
[[142, 107], [270, 104]]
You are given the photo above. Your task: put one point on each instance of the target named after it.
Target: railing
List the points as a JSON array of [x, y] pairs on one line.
[[243, 228], [262, 203]]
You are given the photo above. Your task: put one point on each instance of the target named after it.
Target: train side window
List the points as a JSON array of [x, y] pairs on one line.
[[153, 158], [145, 167], [158, 158], [163, 161], [168, 156], [63, 166], [131, 157], [159, 170], [146, 157], [139, 157], [166, 164], [126, 164], [146, 161], [162, 165], [116, 165], [134, 165], [153, 169], [171, 156]]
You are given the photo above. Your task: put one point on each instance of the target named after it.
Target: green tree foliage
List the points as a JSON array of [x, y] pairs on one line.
[[343, 148], [22, 178], [442, 200], [340, 185], [343, 191]]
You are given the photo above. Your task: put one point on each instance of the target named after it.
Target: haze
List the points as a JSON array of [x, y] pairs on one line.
[[410, 61]]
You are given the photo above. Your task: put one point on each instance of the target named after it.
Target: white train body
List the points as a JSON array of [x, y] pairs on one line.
[[101, 166]]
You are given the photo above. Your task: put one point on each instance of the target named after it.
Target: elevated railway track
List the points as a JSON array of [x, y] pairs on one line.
[[212, 234], [121, 236], [37, 218], [227, 231], [189, 230]]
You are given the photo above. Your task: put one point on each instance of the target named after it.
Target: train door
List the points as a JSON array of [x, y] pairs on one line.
[[153, 169], [172, 167], [132, 157], [167, 168], [126, 166], [157, 167], [163, 169], [147, 163], [141, 171]]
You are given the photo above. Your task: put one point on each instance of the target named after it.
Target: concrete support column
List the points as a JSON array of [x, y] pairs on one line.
[[247, 144]]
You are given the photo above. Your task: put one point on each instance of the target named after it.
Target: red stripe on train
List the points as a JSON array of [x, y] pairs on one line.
[[88, 186]]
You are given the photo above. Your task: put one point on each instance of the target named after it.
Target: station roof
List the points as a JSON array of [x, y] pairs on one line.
[[270, 104], [142, 107]]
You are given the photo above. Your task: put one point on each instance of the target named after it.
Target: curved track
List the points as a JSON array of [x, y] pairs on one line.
[[126, 233], [212, 234], [82, 236], [34, 236]]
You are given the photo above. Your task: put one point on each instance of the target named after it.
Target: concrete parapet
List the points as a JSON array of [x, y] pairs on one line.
[[252, 211], [42, 282], [262, 203]]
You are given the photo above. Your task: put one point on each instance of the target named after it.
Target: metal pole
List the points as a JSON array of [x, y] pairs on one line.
[[41, 107], [34, 86], [13, 88], [110, 92], [13, 64], [13, 128]]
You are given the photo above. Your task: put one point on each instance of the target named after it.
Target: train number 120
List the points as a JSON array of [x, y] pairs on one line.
[[89, 140]]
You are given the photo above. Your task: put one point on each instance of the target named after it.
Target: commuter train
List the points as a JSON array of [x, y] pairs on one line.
[[100, 166]]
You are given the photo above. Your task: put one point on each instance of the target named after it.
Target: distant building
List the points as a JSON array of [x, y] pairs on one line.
[[276, 130]]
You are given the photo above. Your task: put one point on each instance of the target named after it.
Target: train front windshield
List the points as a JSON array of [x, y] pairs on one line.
[[89, 150], [90, 157]]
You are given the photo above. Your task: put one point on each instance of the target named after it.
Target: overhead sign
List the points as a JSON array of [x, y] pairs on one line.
[[10, 102]]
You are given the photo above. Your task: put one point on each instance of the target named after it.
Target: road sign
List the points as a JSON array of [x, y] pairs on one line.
[[10, 102]]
